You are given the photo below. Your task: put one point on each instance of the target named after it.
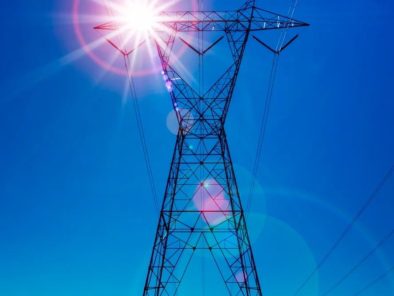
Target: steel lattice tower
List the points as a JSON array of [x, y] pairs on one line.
[[202, 209]]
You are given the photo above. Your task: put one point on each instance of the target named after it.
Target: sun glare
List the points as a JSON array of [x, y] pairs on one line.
[[135, 16], [139, 16], [132, 27], [136, 22]]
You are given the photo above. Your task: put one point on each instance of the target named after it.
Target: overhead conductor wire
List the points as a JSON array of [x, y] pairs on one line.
[[267, 108], [137, 112], [347, 229], [385, 239], [141, 132], [375, 281]]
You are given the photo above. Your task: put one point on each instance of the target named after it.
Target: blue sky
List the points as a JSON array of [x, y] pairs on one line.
[[76, 215]]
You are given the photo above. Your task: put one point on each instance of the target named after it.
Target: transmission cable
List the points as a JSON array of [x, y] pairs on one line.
[[360, 263], [138, 116], [263, 129], [345, 232], [141, 132], [375, 281], [267, 107]]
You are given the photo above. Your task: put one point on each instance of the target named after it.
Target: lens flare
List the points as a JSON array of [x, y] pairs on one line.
[[140, 16], [210, 199], [137, 23]]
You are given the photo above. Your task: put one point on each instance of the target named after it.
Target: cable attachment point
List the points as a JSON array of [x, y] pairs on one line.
[[275, 51]]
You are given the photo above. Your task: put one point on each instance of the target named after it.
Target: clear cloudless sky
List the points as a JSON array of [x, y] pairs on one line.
[[76, 213]]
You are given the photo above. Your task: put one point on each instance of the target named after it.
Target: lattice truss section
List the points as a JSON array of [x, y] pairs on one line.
[[202, 210]]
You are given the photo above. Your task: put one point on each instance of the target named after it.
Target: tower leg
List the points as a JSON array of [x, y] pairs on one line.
[[202, 213]]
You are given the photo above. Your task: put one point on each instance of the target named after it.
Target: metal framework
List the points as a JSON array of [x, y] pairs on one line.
[[202, 210]]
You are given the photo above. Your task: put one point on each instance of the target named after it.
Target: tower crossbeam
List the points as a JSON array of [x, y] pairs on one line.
[[205, 21]]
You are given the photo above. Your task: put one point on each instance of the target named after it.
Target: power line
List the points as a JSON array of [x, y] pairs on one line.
[[267, 108], [141, 133], [138, 116], [341, 237], [359, 263], [263, 129], [374, 281]]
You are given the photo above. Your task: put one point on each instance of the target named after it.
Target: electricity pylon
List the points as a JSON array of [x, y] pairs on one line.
[[202, 210]]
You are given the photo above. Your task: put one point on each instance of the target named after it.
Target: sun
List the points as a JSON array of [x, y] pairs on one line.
[[133, 28], [135, 16], [138, 16], [132, 23]]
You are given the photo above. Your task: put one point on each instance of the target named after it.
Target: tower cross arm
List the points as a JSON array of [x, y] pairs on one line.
[[267, 20], [254, 19]]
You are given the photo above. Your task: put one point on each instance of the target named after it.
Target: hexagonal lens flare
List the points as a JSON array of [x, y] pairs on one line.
[[210, 199]]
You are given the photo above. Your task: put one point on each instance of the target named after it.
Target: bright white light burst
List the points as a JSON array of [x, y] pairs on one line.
[[134, 22], [139, 16], [132, 27]]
